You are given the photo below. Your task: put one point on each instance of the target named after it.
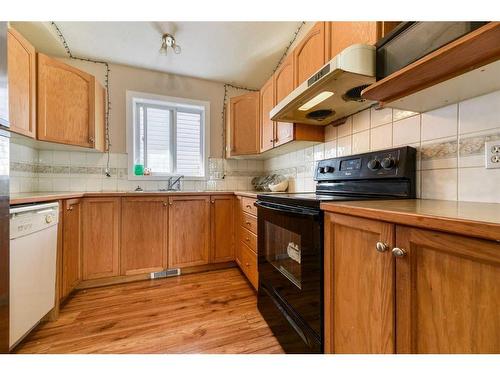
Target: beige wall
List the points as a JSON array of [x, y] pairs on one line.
[[123, 78]]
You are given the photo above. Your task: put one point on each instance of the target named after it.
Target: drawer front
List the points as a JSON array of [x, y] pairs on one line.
[[248, 264], [247, 205], [249, 222], [249, 239]]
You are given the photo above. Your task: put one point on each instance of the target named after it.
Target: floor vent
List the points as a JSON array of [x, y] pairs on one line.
[[166, 273]]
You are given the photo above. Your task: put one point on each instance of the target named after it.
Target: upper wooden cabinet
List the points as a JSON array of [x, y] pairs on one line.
[[72, 246], [344, 34], [267, 126], [243, 115], [101, 237], [70, 105], [144, 235], [22, 84], [310, 53], [189, 231], [223, 222], [284, 85]]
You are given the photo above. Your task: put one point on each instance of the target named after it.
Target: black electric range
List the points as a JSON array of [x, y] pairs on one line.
[[290, 241]]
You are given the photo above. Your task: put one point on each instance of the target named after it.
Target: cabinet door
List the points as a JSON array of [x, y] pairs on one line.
[[144, 235], [266, 125], [101, 233], [244, 126], [344, 34], [222, 228], [359, 286], [309, 55], [189, 231], [447, 293], [284, 85], [66, 103], [72, 245], [22, 84]]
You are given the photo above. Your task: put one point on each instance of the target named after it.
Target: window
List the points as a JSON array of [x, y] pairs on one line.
[[167, 135]]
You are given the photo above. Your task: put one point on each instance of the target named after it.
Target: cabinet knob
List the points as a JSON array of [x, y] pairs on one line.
[[247, 223], [91, 140], [70, 208], [247, 239], [248, 206], [165, 204], [399, 253], [381, 247], [247, 264], [213, 202]]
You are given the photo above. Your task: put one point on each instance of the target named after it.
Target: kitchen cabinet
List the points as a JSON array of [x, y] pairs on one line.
[[447, 293], [246, 248], [267, 126], [188, 231], [284, 85], [21, 58], [310, 53], [101, 237], [72, 246], [222, 228], [394, 288], [360, 284], [144, 234], [243, 115], [71, 105], [344, 34]]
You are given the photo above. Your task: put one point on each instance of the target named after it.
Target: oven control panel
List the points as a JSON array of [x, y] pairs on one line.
[[393, 163]]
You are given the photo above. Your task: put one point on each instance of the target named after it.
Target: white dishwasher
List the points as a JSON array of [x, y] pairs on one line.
[[33, 249]]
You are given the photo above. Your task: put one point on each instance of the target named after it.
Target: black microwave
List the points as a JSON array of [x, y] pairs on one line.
[[410, 41]]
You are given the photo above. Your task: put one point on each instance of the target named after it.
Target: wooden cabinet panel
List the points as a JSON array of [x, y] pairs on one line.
[[249, 222], [222, 228], [344, 34], [266, 125], [244, 124], [70, 105], [189, 231], [101, 232], [309, 55], [447, 293], [248, 264], [72, 245], [144, 235], [283, 85], [248, 238], [22, 84], [359, 288]]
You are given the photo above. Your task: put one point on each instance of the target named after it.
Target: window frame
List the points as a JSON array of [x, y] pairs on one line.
[[173, 104]]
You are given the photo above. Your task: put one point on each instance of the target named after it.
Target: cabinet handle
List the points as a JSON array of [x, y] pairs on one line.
[[91, 140], [213, 202], [399, 253], [70, 208], [247, 264], [171, 203], [248, 206], [165, 204], [247, 223], [381, 247], [247, 239]]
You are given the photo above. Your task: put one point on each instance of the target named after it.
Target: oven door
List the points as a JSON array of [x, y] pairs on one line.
[[291, 265]]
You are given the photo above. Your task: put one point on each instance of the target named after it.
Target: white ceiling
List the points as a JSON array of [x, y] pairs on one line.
[[243, 53]]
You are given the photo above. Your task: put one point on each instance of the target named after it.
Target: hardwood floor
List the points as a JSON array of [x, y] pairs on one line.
[[211, 312]]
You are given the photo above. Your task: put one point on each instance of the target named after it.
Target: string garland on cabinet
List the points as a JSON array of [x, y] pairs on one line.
[[226, 85], [106, 84]]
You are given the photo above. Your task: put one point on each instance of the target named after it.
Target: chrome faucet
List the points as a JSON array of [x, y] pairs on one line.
[[171, 183]]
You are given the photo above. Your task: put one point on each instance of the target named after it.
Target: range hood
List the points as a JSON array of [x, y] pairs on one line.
[[333, 92]]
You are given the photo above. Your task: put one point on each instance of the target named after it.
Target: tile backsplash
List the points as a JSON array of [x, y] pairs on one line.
[[449, 140], [46, 170]]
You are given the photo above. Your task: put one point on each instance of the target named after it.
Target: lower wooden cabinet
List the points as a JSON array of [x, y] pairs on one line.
[[101, 238], [144, 235], [392, 288], [222, 228], [189, 231], [246, 238], [71, 273]]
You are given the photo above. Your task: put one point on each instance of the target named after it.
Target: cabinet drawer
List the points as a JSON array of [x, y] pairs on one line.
[[249, 239], [248, 264], [249, 222], [247, 205]]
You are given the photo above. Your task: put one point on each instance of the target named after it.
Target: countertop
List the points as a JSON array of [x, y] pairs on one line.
[[466, 218], [36, 197]]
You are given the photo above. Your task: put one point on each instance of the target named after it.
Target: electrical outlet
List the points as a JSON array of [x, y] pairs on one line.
[[492, 154]]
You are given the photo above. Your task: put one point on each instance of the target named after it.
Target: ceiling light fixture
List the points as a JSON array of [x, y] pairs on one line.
[[168, 40]]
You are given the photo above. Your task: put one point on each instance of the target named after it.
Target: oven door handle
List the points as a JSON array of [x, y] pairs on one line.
[[288, 209]]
